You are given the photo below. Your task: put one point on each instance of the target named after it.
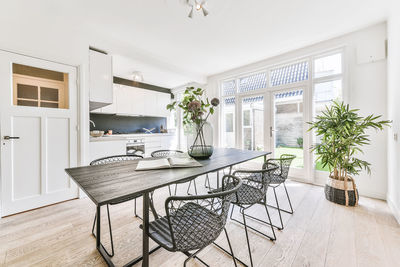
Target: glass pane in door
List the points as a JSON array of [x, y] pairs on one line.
[[253, 123], [288, 125], [324, 94], [228, 122]]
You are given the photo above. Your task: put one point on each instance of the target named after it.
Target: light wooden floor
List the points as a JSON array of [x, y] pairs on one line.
[[319, 233]]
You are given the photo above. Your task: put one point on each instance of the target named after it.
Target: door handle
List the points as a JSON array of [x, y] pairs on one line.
[[6, 137], [270, 131]]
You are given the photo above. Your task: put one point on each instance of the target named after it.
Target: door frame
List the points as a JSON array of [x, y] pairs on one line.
[[73, 99], [298, 174]]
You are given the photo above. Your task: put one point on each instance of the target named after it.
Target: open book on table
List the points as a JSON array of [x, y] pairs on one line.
[[167, 163]]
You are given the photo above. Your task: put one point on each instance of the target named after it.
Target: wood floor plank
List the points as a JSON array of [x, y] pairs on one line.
[[284, 251], [341, 248], [368, 244], [318, 233], [312, 251]]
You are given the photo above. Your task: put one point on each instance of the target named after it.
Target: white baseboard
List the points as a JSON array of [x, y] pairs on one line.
[[395, 210], [321, 182]]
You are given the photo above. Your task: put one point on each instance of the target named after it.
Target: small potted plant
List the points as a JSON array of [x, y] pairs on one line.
[[342, 134], [196, 110]]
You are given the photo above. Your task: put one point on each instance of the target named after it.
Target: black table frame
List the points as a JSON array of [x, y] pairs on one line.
[[145, 225]]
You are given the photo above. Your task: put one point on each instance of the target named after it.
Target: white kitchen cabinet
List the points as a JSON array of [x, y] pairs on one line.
[[100, 80], [124, 101], [169, 142], [163, 100], [100, 149], [138, 103], [111, 109], [152, 143], [129, 100]]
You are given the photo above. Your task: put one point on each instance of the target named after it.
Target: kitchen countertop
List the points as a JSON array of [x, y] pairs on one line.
[[118, 137]]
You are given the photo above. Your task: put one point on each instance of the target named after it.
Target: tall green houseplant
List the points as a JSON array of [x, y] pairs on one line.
[[342, 134]]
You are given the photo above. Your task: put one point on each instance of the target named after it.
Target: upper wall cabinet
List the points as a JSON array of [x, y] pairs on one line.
[[133, 101], [100, 80]]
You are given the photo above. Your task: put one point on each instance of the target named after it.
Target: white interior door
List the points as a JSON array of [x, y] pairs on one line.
[[287, 131], [37, 143]]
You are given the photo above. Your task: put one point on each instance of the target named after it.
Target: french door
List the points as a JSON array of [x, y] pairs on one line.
[[38, 133], [286, 130], [274, 121], [251, 125]]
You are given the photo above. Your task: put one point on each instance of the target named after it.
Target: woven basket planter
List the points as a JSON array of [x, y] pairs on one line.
[[335, 192]]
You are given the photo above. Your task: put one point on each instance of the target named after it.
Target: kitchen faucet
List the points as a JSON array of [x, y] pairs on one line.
[[92, 122]]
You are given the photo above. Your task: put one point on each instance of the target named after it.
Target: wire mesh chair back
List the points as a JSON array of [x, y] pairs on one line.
[[112, 159], [283, 163], [196, 221], [165, 153], [255, 185]]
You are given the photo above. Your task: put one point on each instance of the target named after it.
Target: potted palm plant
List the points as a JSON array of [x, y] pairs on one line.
[[342, 134]]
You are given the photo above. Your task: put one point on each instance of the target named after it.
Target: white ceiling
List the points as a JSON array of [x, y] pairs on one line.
[[157, 38]]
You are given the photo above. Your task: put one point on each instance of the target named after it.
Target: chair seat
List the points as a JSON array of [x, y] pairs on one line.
[[194, 228], [247, 195], [275, 178]]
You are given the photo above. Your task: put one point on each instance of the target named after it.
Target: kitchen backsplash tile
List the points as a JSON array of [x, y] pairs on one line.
[[126, 124]]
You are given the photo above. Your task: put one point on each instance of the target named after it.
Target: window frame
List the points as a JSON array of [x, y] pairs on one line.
[[318, 174], [310, 174]]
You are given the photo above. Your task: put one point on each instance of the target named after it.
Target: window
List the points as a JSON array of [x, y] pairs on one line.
[[36, 87], [290, 94], [253, 82], [328, 82], [253, 123], [229, 87], [228, 122], [289, 74], [327, 66]]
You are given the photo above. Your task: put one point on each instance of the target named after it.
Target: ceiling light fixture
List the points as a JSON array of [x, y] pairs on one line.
[[200, 6]]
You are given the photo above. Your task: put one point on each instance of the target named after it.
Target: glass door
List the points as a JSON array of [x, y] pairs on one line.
[[286, 129], [251, 126], [253, 122]]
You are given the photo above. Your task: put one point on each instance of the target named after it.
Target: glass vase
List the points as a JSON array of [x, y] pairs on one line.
[[200, 140]]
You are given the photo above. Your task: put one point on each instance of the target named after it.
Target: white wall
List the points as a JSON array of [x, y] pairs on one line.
[[365, 89], [50, 41], [393, 194]]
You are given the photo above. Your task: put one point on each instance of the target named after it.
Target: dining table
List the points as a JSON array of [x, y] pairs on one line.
[[113, 182]]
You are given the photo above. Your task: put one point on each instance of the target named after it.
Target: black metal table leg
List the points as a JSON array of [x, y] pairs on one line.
[[99, 247], [145, 237], [218, 179], [98, 243]]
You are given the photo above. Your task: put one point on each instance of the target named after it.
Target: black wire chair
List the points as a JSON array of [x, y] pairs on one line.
[[277, 178], [253, 191], [109, 160], [169, 153], [194, 222]]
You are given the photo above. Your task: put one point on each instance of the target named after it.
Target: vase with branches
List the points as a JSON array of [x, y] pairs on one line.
[[342, 134], [196, 110]]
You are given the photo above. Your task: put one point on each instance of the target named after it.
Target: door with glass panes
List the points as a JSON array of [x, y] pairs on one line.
[[269, 110], [286, 130]]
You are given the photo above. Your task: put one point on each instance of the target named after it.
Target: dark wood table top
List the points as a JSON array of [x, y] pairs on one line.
[[115, 181]]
